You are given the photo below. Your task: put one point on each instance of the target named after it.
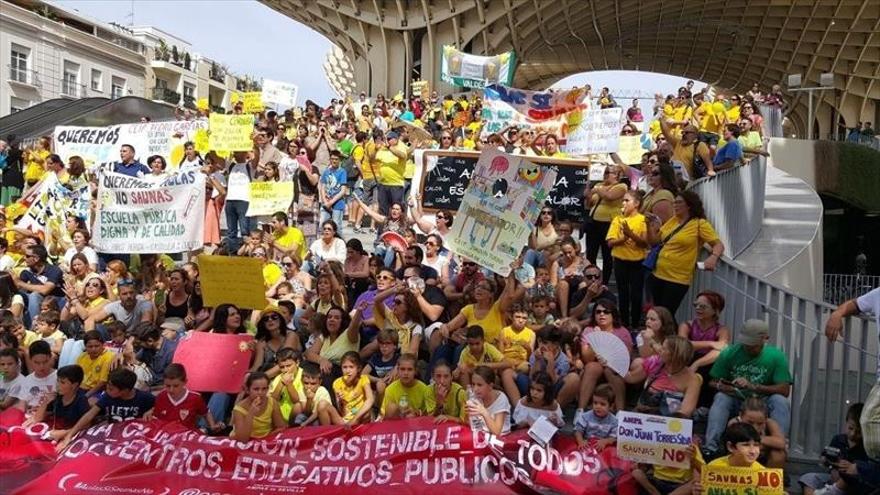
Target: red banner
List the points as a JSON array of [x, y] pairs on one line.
[[412, 456]]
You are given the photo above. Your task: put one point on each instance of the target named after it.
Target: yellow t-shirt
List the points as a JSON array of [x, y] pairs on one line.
[[333, 351], [710, 121], [95, 370], [454, 403], [404, 331], [684, 153], [607, 210], [271, 273], [517, 346], [359, 155], [36, 165], [353, 398], [733, 114], [468, 144], [391, 167], [725, 462], [491, 354], [285, 403], [293, 236], [419, 397], [262, 423], [629, 250], [492, 322], [679, 255]]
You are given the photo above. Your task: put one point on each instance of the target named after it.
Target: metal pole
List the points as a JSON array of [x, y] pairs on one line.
[[810, 115]]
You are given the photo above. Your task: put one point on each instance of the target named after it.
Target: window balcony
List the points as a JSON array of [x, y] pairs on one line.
[[73, 90], [166, 95], [24, 77], [189, 102]]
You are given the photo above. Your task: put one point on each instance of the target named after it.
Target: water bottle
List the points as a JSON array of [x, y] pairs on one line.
[[477, 422]]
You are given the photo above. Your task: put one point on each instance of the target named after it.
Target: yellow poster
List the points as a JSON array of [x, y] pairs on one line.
[[421, 89], [741, 481], [232, 280], [630, 150], [230, 132], [202, 104], [253, 102], [267, 198], [234, 98]]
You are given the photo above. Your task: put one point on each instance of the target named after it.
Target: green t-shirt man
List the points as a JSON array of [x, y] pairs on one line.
[[758, 363]]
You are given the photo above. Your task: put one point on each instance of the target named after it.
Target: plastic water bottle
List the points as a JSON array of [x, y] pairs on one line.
[[477, 422]]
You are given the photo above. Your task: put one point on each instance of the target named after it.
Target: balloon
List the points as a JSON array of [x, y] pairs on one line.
[[718, 107]]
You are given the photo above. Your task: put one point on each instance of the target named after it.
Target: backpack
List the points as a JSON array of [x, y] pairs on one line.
[[700, 169]]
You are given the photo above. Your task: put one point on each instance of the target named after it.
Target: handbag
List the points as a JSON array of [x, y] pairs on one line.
[[650, 261], [588, 221]]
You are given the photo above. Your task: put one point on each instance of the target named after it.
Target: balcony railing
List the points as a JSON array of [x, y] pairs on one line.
[[74, 90], [189, 102], [217, 75], [23, 76], [840, 287], [166, 95]]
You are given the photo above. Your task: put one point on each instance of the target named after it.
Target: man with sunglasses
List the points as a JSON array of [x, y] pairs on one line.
[[264, 149], [464, 282], [589, 290], [688, 150], [40, 279]]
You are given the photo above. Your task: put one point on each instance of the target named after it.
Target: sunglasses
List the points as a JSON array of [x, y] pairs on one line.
[[272, 316], [602, 312], [124, 282], [384, 277], [287, 264], [546, 212], [430, 243], [257, 254], [93, 284], [701, 306], [592, 277]]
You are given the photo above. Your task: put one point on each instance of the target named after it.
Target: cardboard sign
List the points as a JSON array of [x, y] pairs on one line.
[[253, 102], [280, 93], [630, 149], [499, 208], [650, 439], [215, 362], [145, 215], [597, 132], [233, 280], [267, 198], [741, 481], [230, 132]]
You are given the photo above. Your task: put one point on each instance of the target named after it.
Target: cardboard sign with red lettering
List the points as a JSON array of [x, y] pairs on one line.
[[409, 456], [215, 362], [742, 481]]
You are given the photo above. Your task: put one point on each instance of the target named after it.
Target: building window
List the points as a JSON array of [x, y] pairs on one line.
[[70, 80], [189, 95], [17, 104], [18, 67], [97, 80], [117, 90]]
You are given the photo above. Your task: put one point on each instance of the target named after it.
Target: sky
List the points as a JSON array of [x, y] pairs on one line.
[[253, 39]]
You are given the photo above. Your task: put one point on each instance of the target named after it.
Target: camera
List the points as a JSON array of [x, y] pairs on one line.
[[831, 455]]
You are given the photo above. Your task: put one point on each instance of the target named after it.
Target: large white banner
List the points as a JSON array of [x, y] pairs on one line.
[[144, 215], [99, 146], [598, 132], [554, 112], [280, 93]]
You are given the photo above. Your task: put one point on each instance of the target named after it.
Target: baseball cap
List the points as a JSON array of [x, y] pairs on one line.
[[753, 332], [173, 323]]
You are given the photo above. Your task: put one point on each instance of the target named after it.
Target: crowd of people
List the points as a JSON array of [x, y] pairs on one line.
[[405, 327]]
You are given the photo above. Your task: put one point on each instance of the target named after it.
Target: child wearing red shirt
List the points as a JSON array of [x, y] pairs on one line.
[[177, 403]]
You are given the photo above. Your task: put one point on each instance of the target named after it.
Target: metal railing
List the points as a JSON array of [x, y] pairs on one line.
[[828, 377], [738, 220], [840, 287], [23, 76], [73, 90]]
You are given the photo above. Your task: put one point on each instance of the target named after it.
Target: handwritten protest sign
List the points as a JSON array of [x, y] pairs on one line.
[[99, 146], [217, 274], [597, 132], [281, 93], [214, 362], [388, 457], [630, 149], [554, 112], [421, 88], [741, 481], [266, 198], [49, 205], [499, 208], [252, 102], [231, 132], [474, 71], [653, 439], [144, 215]]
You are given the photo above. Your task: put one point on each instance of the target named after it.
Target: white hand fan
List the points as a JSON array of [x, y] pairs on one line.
[[610, 348]]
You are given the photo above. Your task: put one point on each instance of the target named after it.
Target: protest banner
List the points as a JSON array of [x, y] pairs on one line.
[[718, 480], [597, 132], [216, 273], [46, 209], [99, 146], [230, 132], [650, 439], [630, 149], [442, 177], [499, 208], [214, 362], [421, 88], [279, 93], [474, 71], [267, 198], [553, 112], [405, 456], [144, 215], [252, 102]]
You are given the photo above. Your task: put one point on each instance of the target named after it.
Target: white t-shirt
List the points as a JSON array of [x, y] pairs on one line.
[[238, 185], [197, 163], [501, 405], [87, 251], [870, 303], [10, 388], [526, 414], [6, 263], [287, 168], [437, 264], [33, 388], [336, 251]]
